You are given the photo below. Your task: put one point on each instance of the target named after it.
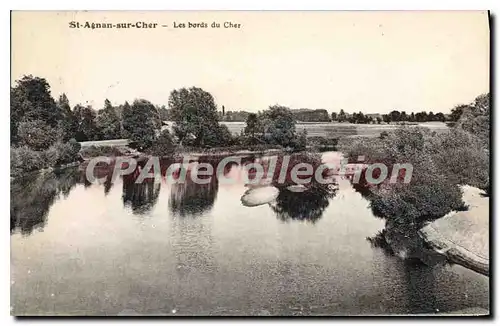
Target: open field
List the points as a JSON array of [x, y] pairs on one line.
[[336, 130]]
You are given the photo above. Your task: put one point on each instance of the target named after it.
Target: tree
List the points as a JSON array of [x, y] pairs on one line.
[[395, 116], [68, 126], [194, 113], [279, 125], [431, 116], [31, 100], [218, 137], [379, 120], [457, 111], [386, 118], [252, 125], [421, 116], [475, 119], [342, 116], [140, 123], [108, 122], [36, 134], [412, 117], [403, 116], [334, 116], [440, 117], [86, 123], [164, 145]]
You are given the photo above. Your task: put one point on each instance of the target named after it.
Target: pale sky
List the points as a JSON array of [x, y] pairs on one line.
[[369, 61]]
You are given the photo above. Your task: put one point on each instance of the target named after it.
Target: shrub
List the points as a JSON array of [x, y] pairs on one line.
[[164, 145], [24, 159], [462, 157], [300, 141], [434, 188], [36, 134], [95, 151], [67, 153]]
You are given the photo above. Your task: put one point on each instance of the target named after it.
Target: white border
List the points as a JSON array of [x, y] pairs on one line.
[[492, 5]]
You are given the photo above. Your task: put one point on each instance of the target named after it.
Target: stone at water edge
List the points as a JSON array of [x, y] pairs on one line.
[[258, 196], [297, 188]]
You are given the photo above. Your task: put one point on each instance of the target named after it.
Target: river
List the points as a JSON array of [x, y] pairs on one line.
[[162, 249]]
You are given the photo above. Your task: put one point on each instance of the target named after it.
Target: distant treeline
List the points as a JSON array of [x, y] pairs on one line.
[[322, 115]]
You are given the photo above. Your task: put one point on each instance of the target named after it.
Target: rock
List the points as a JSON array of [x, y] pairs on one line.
[[297, 188], [259, 196]]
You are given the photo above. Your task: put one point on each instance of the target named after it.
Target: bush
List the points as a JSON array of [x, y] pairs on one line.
[[300, 141], [164, 145], [36, 134], [67, 153], [462, 157], [434, 187], [218, 137], [95, 151], [24, 159]]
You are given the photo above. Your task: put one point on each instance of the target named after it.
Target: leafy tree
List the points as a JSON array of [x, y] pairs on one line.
[[253, 125], [194, 113], [279, 125], [430, 194], [219, 136], [386, 118], [403, 116], [395, 116], [68, 125], [421, 116], [379, 120], [334, 116], [164, 113], [310, 115], [440, 117], [412, 117], [108, 122], [164, 145], [475, 119], [140, 123], [431, 116], [457, 111], [36, 134], [342, 116], [31, 100], [86, 123]]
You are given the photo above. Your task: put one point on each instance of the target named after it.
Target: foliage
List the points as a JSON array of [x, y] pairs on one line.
[[140, 123], [95, 151], [86, 128], [195, 115], [434, 187], [475, 119], [36, 134], [68, 126], [342, 116], [279, 126], [24, 159], [253, 125], [30, 99], [164, 145], [309, 115], [108, 122]]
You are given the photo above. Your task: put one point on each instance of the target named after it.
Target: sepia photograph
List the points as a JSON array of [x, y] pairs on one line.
[[250, 163]]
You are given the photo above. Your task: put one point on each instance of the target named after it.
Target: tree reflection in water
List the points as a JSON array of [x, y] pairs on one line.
[[32, 196], [191, 199], [309, 204], [142, 196]]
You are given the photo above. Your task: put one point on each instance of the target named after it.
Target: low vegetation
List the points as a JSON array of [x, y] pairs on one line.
[[441, 163]]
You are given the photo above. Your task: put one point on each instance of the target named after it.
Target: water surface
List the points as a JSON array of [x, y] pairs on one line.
[[125, 248]]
